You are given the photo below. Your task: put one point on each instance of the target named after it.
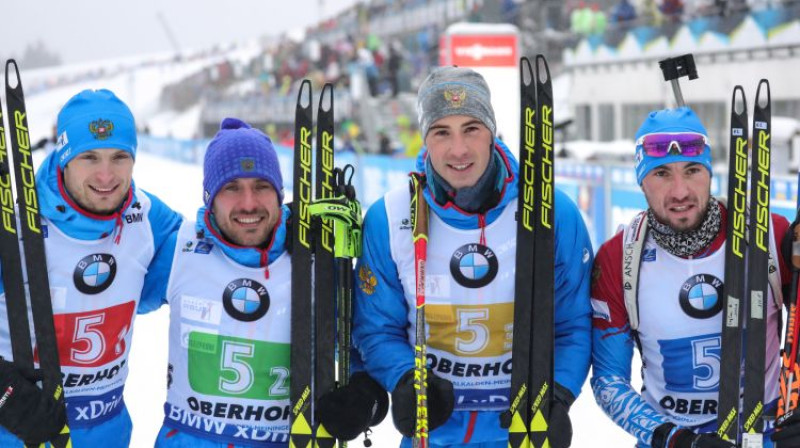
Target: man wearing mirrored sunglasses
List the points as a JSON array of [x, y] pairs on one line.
[[673, 310]]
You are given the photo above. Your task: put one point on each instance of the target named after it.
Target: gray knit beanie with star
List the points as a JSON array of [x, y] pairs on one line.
[[454, 91]]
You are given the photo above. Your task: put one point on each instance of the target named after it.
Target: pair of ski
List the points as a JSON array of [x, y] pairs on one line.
[[745, 298], [326, 237], [20, 161], [532, 370], [532, 383]]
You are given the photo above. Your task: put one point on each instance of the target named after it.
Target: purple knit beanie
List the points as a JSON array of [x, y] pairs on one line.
[[239, 151]]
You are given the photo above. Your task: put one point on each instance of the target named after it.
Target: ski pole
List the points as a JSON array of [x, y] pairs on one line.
[[790, 371], [419, 225]]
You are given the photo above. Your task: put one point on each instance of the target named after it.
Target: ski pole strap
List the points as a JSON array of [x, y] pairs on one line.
[[634, 237]]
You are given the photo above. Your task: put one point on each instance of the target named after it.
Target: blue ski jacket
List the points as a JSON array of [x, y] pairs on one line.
[[381, 312], [83, 229]]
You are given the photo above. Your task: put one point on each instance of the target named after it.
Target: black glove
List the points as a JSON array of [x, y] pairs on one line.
[[788, 433], [559, 429], [348, 411], [404, 403], [685, 438], [25, 411]]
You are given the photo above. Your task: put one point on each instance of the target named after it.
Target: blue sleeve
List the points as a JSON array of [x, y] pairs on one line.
[[611, 384], [573, 340], [164, 224], [380, 311]]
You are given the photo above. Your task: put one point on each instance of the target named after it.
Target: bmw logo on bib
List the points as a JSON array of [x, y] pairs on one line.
[[473, 265], [701, 296], [95, 273], [245, 300]]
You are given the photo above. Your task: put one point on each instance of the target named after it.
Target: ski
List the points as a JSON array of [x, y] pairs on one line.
[[300, 392], [757, 272], [543, 308], [734, 286], [33, 246], [517, 418], [324, 291], [11, 261]]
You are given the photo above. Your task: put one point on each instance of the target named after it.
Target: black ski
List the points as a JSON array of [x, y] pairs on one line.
[[734, 287], [517, 419], [33, 244], [532, 370], [324, 291], [300, 433], [542, 318], [757, 269], [11, 261]]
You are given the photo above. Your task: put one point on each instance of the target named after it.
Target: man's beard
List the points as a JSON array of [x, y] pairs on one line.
[[687, 242]]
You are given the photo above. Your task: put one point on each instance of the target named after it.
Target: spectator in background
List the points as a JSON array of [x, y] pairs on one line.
[[673, 9], [366, 62], [410, 138], [651, 14], [623, 12], [393, 64], [384, 143], [333, 70], [574, 16], [598, 20]]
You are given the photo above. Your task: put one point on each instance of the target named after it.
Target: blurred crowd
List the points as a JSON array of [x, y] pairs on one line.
[[377, 52]]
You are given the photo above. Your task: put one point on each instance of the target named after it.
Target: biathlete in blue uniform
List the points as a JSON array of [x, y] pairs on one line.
[[471, 191], [104, 242], [229, 293]]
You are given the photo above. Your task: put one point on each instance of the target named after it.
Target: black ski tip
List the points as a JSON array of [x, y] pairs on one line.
[[542, 70], [738, 101], [304, 85], [760, 101], [525, 71], [17, 84], [326, 89]]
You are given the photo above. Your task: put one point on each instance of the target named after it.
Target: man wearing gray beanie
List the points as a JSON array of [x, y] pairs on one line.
[[470, 179]]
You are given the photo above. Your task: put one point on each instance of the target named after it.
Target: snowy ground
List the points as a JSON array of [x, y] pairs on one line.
[[180, 186]]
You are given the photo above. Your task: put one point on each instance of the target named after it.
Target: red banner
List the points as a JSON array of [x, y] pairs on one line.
[[483, 50]]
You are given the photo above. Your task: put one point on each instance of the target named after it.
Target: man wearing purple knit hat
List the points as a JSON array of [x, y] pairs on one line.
[[230, 297]]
